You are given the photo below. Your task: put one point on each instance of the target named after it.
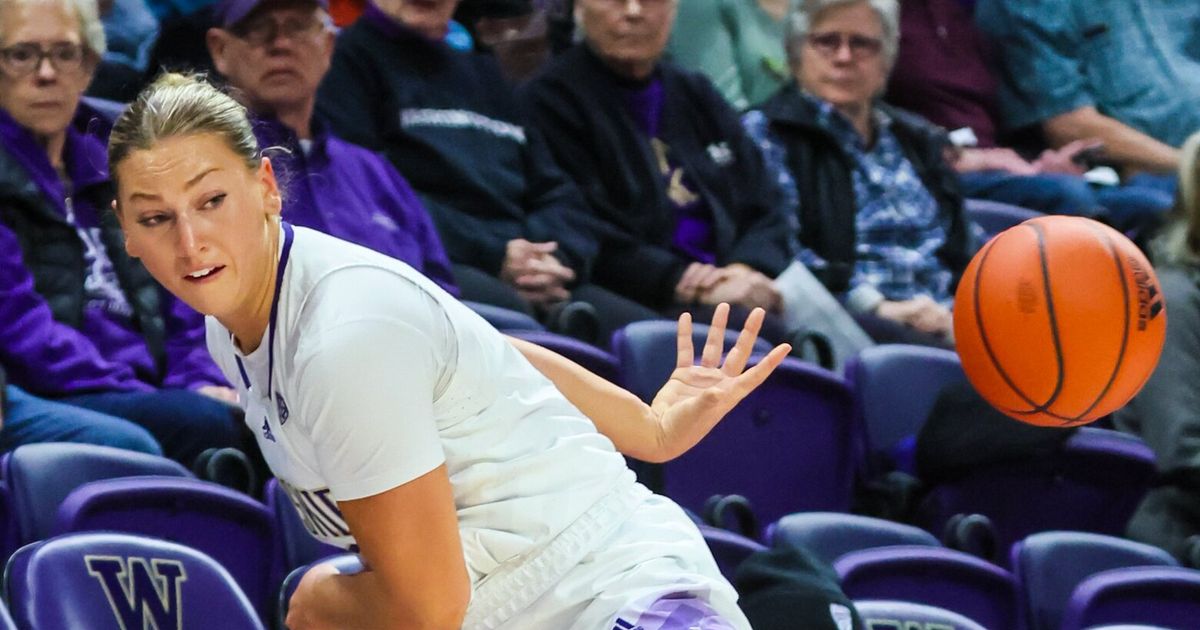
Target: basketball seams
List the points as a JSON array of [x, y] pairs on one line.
[[1124, 331]]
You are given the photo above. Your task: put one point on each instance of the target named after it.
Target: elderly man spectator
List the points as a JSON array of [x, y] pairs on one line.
[[275, 53], [1127, 73], [80, 321], [513, 225], [880, 214]]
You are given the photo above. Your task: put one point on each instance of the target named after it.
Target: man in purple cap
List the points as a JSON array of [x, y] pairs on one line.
[[275, 52]]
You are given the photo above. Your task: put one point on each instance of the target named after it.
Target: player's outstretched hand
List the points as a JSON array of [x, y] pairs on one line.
[[696, 397]]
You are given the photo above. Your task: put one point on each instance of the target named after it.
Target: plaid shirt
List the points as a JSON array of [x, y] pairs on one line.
[[898, 231]]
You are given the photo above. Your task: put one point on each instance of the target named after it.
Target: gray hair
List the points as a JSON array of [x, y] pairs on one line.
[[806, 13], [91, 29], [1179, 242], [181, 105]]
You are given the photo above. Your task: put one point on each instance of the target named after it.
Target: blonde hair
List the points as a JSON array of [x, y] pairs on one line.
[[1179, 243], [181, 105], [91, 29]]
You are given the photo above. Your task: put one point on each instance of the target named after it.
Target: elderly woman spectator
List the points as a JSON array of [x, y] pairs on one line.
[[691, 216], [881, 219], [1166, 413], [81, 322]]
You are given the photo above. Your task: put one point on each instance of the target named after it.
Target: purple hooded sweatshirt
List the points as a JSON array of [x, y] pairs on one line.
[[106, 353], [349, 192]]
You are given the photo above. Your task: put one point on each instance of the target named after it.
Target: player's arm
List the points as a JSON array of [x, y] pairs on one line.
[[416, 576], [1122, 144], [688, 406]]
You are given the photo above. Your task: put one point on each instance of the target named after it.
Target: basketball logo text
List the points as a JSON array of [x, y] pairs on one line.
[[1150, 302], [143, 592]]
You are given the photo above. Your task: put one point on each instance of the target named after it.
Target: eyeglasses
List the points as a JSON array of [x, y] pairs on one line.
[[861, 46], [21, 59], [264, 31]]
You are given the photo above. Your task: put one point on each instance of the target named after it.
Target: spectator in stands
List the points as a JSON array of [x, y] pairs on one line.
[[28, 419], [1166, 413], [738, 44], [513, 225], [881, 218], [945, 72], [130, 31], [1127, 73], [275, 52], [80, 321], [691, 217]]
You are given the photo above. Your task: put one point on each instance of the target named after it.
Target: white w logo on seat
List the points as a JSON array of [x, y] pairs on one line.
[[145, 594]]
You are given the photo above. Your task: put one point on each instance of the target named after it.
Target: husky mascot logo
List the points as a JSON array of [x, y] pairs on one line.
[[144, 593]]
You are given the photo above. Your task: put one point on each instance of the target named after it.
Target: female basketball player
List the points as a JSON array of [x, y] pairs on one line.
[[478, 494]]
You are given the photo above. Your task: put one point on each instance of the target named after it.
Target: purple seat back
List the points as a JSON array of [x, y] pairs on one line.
[[111, 580], [1092, 484], [297, 547], [895, 387], [1168, 596], [231, 528], [40, 476], [893, 615], [346, 564], [934, 576], [729, 549], [503, 318], [995, 217], [830, 535], [590, 357], [1048, 566], [789, 446]]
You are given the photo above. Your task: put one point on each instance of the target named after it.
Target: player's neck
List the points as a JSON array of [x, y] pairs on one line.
[[248, 329]]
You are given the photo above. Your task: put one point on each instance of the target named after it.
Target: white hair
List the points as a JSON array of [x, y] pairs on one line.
[[808, 12], [91, 30]]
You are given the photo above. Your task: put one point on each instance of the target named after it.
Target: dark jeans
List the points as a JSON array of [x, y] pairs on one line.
[[31, 420], [184, 422]]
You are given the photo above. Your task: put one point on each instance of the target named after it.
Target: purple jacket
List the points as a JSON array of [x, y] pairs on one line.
[[349, 192], [104, 351]]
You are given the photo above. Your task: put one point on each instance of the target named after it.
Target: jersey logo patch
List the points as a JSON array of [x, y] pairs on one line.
[[283, 409]]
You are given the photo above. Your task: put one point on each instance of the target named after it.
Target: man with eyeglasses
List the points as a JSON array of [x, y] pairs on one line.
[[80, 322], [274, 53]]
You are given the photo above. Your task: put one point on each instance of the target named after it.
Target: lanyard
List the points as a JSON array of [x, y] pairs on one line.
[[288, 235]]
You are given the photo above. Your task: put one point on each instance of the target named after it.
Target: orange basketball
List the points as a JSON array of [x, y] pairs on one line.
[[1059, 321]]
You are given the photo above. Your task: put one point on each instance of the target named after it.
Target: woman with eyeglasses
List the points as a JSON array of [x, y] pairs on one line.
[[81, 322], [881, 219]]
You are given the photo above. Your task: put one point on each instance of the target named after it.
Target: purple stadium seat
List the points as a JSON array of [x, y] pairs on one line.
[[1048, 566], [590, 357], [110, 580], [830, 535], [1167, 596], [296, 546], [934, 576], [995, 217], [1092, 484], [228, 526], [895, 387], [346, 564], [728, 548], [503, 318], [40, 476], [893, 615]]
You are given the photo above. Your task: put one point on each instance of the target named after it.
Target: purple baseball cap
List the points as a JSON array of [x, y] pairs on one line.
[[230, 12]]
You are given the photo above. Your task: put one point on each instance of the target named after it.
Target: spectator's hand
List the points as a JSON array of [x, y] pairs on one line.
[[223, 394], [998, 159], [742, 285], [696, 279], [921, 313], [696, 397], [1063, 159], [533, 270]]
